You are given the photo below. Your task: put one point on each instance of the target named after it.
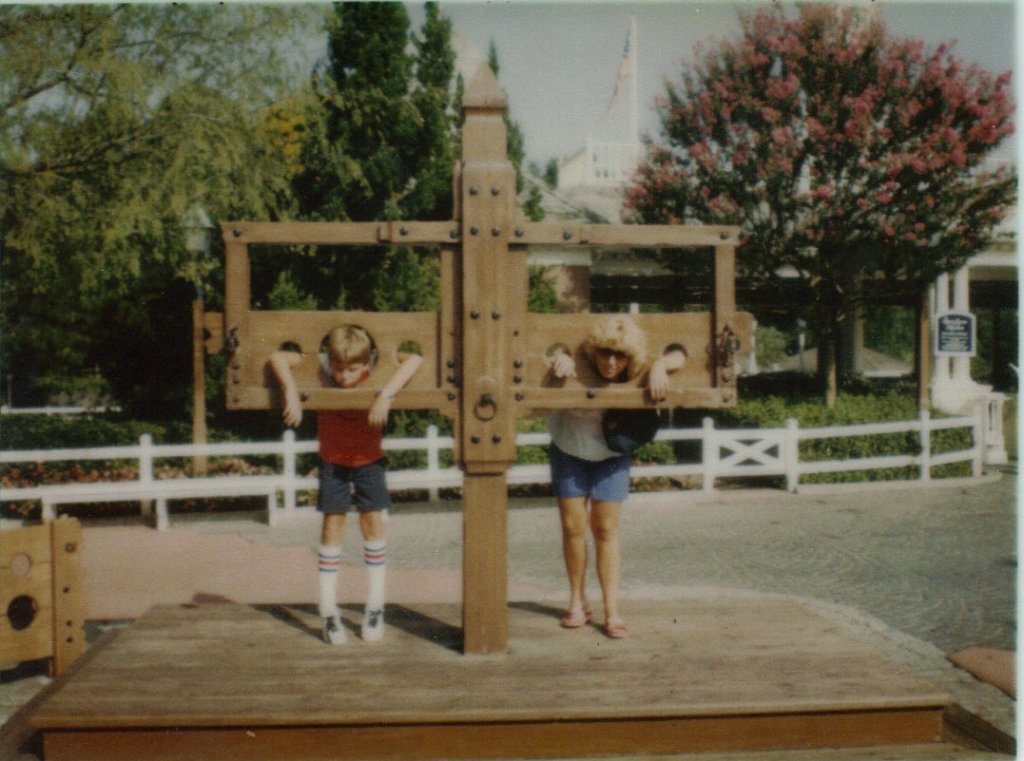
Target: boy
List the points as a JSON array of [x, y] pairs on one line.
[[351, 460]]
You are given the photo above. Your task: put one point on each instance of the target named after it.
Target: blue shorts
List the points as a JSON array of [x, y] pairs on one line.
[[605, 480], [365, 484]]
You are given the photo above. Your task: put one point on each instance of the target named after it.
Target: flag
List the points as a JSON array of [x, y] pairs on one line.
[[625, 70]]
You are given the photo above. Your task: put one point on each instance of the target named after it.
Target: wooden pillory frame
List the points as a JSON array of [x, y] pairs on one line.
[[484, 354]]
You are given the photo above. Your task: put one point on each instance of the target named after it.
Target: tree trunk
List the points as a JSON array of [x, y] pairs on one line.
[[827, 365]]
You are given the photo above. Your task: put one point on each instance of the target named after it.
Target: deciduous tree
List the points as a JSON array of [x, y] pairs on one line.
[[113, 121], [851, 158]]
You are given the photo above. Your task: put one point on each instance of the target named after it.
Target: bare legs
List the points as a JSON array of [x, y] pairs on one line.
[[603, 519], [333, 529]]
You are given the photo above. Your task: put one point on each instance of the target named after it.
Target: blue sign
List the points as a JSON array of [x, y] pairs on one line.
[[955, 334]]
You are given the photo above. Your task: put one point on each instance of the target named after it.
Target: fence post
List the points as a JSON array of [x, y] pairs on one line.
[[146, 477], [288, 469], [709, 455], [980, 436], [926, 445], [791, 455], [433, 462]]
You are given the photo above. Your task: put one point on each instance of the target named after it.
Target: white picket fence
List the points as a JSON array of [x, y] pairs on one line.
[[724, 454]]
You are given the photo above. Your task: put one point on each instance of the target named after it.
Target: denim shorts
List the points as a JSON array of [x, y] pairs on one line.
[[605, 480], [340, 486]]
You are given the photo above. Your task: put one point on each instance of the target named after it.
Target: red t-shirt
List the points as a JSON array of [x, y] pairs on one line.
[[347, 438]]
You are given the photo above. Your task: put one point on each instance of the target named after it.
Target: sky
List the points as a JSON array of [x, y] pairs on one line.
[[559, 60]]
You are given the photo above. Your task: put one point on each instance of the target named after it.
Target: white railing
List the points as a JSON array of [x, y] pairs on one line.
[[724, 454]]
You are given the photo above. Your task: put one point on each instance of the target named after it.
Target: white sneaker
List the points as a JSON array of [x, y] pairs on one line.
[[333, 631], [373, 625]]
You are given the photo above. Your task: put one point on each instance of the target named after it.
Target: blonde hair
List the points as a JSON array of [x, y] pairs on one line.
[[618, 333], [349, 343]]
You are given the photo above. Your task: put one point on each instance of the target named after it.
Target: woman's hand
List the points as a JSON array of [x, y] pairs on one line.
[[563, 365], [657, 380]]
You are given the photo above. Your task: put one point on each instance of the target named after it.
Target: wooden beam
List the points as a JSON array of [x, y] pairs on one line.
[[626, 236], [342, 233], [68, 615]]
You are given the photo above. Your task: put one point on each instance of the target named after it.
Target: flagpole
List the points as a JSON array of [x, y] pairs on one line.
[[634, 112]]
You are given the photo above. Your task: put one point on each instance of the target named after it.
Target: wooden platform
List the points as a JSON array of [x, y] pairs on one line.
[[239, 682]]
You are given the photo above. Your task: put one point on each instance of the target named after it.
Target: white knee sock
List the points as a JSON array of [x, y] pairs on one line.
[[375, 557], [329, 562]]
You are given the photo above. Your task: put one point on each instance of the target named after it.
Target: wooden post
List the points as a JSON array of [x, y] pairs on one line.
[[490, 324], [199, 433]]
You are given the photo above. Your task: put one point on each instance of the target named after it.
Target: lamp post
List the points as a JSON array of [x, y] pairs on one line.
[[198, 232]]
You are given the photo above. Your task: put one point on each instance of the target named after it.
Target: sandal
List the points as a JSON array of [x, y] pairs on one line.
[[616, 628], [575, 618]]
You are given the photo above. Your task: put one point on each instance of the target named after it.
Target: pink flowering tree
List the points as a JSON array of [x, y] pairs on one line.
[[846, 156]]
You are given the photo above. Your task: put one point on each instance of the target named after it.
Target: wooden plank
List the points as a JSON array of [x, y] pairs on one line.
[[693, 386], [485, 562], [342, 233], [26, 572], [625, 236], [237, 300], [503, 740], [68, 616], [706, 672], [271, 331], [232, 665]]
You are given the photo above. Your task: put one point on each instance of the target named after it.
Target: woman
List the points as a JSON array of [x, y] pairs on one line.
[[590, 480]]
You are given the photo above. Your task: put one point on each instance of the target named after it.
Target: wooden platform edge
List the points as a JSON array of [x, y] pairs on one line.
[[504, 739], [19, 731], [961, 727]]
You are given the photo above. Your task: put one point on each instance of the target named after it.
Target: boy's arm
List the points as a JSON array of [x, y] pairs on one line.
[[669, 362], [281, 363], [407, 367]]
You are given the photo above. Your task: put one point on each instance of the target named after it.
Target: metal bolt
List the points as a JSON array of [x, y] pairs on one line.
[[475, 314], [495, 315], [304, 396], [724, 236], [520, 397], [453, 234], [566, 235], [517, 363], [474, 439], [70, 547], [495, 231], [496, 439], [591, 393], [237, 232], [403, 231], [474, 230], [451, 379], [473, 190], [451, 396], [517, 378], [495, 191], [450, 363]]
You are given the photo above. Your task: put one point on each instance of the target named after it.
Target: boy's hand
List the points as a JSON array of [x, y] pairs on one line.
[[380, 409], [292, 408]]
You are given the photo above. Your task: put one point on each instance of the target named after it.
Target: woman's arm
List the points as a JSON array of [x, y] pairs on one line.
[[672, 360]]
